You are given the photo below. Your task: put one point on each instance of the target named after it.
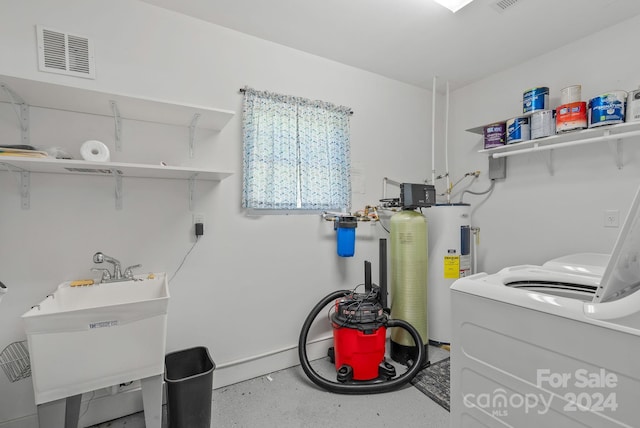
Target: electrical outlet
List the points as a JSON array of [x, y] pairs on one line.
[[612, 218], [198, 218]]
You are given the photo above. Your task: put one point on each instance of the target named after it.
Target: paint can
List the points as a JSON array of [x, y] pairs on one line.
[[543, 124], [518, 130], [535, 99], [633, 106], [571, 94], [607, 109], [495, 135], [571, 117]]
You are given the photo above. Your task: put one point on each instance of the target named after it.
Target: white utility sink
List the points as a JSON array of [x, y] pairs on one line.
[[83, 338]]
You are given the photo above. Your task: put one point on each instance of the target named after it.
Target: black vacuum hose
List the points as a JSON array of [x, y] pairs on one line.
[[361, 387]]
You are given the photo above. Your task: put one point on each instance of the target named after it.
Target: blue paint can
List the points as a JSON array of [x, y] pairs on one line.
[[607, 109], [535, 99], [518, 130]]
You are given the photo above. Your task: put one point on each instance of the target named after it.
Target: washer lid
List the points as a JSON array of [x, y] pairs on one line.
[[592, 264], [622, 274]]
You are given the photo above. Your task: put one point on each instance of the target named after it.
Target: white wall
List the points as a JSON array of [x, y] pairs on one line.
[[250, 281], [532, 215]]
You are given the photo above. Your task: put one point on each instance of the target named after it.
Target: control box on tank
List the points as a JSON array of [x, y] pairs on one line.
[[417, 195]]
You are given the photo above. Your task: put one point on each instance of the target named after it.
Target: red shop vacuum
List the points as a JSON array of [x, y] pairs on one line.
[[360, 322]]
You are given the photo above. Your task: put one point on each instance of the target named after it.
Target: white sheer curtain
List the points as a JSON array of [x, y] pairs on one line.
[[296, 153]]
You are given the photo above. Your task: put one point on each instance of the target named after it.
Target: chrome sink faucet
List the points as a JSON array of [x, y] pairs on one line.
[[99, 258], [117, 268]]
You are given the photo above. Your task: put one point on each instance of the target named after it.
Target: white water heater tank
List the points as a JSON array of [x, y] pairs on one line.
[[449, 259]]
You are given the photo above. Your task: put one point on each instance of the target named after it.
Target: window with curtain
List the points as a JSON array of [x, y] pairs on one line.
[[296, 153]]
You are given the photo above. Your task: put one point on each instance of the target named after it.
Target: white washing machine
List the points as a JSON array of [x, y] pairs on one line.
[[555, 346]]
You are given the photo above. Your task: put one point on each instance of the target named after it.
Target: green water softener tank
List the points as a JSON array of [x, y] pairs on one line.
[[408, 282]]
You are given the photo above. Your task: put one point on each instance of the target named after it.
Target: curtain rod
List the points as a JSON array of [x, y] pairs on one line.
[[243, 90]]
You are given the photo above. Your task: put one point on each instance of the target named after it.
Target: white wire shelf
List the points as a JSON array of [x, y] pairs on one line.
[[68, 98], [26, 166], [78, 167], [587, 136]]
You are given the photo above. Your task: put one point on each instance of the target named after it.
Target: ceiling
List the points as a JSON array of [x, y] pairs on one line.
[[414, 40]]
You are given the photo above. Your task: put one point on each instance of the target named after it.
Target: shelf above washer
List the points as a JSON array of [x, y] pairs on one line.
[[585, 136]]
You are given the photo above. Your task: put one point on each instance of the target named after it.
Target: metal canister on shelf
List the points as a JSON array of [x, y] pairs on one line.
[[518, 130], [607, 109], [571, 94], [633, 106], [543, 124], [571, 117], [535, 99], [495, 135]]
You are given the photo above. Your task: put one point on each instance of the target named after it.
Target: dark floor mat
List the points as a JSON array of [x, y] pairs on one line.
[[433, 382]]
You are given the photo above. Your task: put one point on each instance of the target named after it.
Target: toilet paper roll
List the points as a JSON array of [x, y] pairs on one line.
[[95, 151]]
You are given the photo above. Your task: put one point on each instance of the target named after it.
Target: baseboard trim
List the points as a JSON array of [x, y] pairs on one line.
[[102, 406], [230, 373]]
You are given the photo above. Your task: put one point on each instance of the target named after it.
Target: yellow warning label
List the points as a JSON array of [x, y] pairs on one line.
[[452, 267]]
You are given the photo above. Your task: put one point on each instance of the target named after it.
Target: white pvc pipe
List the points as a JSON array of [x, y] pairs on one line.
[[433, 132], [446, 147], [474, 236]]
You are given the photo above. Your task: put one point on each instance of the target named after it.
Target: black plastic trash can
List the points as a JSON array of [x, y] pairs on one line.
[[189, 377]]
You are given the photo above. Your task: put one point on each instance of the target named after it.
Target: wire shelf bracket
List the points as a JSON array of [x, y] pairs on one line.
[[118, 188], [22, 111], [192, 133], [118, 123], [25, 189]]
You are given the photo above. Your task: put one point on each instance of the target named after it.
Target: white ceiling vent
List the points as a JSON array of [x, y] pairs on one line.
[[65, 53], [502, 5]]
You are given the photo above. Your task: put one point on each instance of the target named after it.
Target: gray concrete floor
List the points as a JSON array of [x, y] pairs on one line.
[[288, 399]]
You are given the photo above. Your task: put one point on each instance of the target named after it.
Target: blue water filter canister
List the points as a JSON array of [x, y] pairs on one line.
[[345, 227]]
